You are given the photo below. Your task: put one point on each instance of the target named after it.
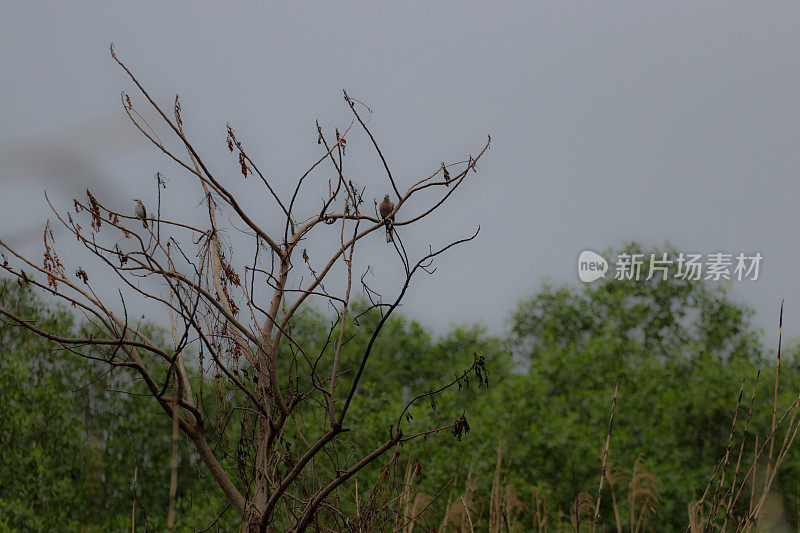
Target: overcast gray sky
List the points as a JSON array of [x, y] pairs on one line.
[[610, 121]]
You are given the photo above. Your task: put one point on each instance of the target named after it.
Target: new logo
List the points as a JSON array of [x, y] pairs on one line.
[[591, 266]]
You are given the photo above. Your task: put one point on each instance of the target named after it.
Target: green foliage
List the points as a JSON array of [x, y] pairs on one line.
[[71, 439], [678, 349], [36, 433]]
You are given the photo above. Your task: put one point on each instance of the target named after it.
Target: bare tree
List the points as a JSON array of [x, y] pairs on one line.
[[250, 338]]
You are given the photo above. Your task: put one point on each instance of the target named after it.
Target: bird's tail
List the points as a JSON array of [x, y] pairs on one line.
[[388, 233], [144, 223]]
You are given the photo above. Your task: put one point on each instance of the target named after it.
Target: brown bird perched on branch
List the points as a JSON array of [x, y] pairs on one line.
[[141, 212], [386, 209]]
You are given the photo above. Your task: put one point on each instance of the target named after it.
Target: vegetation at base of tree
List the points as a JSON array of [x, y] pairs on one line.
[[75, 437]]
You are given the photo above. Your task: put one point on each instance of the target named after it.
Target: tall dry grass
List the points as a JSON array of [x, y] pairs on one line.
[[734, 499]]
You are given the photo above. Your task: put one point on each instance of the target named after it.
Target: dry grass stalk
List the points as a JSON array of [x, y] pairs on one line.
[[642, 490], [494, 499], [605, 459], [467, 516], [726, 499], [539, 512]]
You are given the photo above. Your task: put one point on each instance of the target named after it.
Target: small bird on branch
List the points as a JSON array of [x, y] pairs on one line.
[[386, 209], [141, 212], [446, 174]]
